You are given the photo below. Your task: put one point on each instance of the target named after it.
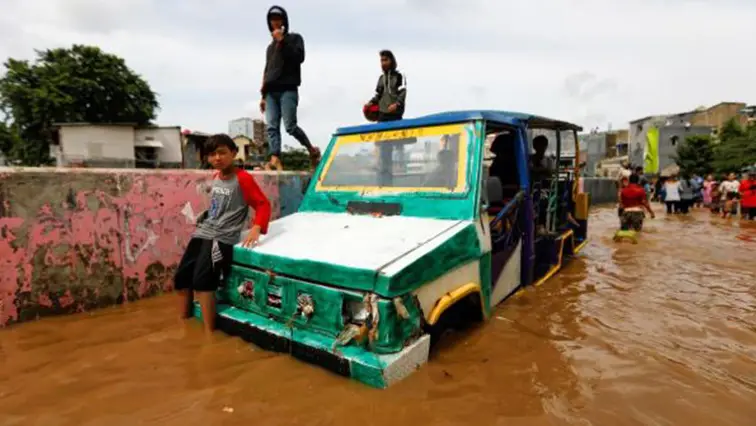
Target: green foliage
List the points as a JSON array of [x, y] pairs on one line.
[[733, 150], [736, 148], [8, 139], [696, 155], [295, 159], [79, 84], [731, 130]]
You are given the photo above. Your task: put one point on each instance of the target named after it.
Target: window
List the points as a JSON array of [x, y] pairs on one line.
[[146, 157], [430, 161]]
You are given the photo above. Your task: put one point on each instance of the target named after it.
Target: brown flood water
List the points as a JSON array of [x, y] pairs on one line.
[[659, 333]]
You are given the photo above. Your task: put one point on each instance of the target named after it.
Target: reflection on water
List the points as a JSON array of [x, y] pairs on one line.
[[658, 333]]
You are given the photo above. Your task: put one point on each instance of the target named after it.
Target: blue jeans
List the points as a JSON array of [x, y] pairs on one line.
[[283, 105]]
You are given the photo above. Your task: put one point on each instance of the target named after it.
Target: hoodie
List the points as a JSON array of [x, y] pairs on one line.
[[748, 192], [283, 60], [390, 89]]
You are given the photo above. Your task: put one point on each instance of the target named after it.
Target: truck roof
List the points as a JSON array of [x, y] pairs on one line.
[[451, 117]]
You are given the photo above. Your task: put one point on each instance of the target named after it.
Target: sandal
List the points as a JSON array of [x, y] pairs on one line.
[[275, 163]]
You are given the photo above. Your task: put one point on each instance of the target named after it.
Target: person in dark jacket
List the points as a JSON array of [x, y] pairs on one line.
[[280, 86], [390, 92]]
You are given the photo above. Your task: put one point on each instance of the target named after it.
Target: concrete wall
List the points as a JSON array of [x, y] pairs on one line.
[[602, 190], [72, 240], [170, 137]]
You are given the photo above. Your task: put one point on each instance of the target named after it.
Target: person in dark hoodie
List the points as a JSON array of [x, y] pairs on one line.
[[280, 86], [390, 92]]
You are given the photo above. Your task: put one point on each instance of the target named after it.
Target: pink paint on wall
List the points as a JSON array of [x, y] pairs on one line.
[[9, 273], [73, 239]]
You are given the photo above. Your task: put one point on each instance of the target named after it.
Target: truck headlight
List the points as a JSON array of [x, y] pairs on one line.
[[305, 305], [364, 311], [355, 311], [247, 289]]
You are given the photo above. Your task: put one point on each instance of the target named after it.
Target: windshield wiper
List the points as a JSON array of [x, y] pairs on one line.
[[333, 200]]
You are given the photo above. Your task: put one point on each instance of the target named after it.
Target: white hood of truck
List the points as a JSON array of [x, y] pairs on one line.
[[357, 241]]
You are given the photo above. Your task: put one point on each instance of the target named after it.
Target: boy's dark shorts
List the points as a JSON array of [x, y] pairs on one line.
[[632, 220], [196, 270]]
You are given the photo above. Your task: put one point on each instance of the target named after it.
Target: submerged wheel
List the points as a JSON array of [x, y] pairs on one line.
[[464, 314]]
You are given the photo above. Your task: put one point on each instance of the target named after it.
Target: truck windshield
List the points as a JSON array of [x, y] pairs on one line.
[[431, 159]]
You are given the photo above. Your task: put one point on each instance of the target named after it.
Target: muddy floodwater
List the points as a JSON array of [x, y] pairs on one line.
[[658, 333]]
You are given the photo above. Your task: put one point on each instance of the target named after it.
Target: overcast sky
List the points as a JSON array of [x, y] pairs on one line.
[[594, 62]]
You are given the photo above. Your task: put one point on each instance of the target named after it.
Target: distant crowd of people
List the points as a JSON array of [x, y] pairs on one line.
[[727, 197]]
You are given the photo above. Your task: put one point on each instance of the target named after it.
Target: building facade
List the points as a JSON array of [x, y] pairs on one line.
[[251, 128], [122, 145], [600, 146], [716, 116], [193, 145], [638, 130], [241, 126], [749, 113], [670, 137], [259, 133], [158, 146], [250, 151], [711, 118], [249, 133]]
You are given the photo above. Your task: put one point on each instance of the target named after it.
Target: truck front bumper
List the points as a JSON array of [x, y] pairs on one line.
[[380, 371]]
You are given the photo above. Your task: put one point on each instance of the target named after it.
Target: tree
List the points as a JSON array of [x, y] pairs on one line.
[[695, 155], [8, 139], [731, 130], [79, 84], [295, 159], [736, 148]]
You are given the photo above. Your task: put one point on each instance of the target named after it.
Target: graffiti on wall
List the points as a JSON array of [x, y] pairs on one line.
[[71, 241]]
